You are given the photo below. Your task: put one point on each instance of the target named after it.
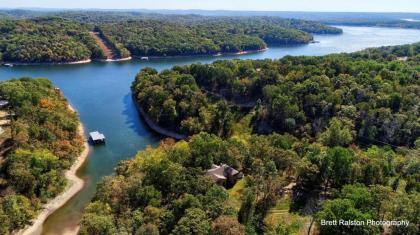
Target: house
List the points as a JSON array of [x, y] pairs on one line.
[[4, 103], [97, 138], [289, 188], [224, 174]]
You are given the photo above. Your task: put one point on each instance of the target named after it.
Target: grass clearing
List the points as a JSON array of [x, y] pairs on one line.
[[235, 194], [280, 220], [243, 128]]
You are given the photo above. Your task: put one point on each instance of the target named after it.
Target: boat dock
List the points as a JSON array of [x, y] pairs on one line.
[[97, 138]]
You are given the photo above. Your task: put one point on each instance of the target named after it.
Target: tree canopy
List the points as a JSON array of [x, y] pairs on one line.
[[164, 190], [61, 37], [46, 40], [40, 144], [341, 129], [366, 97]]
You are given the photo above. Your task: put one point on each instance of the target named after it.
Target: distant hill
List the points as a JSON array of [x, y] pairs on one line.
[[25, 34], [318, 16]]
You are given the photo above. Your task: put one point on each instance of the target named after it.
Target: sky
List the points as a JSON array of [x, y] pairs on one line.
[[256, 5]]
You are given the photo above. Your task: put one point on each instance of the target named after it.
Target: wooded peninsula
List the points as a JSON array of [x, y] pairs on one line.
[[66, 38], [259, 146], [315, 138]]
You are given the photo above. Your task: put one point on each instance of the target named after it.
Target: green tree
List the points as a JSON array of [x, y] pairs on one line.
[[195, 222], [148, 195], [19, 211], [246, 212], [406, 207], [339, 161], [337, 134], [93, 224], [148, 229], [4, 222], [97, 220], [343, 209], [227, 225], [214, 202]]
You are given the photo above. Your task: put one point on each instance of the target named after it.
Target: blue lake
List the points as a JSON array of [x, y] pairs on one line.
[[101, 94]]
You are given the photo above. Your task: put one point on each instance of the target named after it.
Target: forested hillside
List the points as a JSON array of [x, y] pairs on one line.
[[62, 37], [328, 138], [209, 35], [373, 22], [46, 40], [51, 40], [165, 190], [373, 94], [38, 142]]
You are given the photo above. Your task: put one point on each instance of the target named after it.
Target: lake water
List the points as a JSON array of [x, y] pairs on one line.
[[101, 94]]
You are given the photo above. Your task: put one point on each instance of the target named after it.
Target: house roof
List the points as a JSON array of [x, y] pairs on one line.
[[4, 102], [96, 136], [221, 172], [230, 170]]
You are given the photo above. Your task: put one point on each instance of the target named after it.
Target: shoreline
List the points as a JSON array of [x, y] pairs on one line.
[[134, 58], [65, 63], [75, 184], [155, 127], [47, 63], [203, 55], [116, 60]]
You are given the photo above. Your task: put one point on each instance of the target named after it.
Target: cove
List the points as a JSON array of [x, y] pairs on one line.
[[101, 94]]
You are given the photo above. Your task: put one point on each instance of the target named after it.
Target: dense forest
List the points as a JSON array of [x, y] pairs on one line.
[[39, 141], [317, 138], [165, 190], [46, 40], [209, 35], [374, 22], [65, 36], [373, 94]]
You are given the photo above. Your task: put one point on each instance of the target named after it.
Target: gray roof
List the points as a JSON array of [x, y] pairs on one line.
[[96, 136], [221, 172], [4, 102], [217, 173]]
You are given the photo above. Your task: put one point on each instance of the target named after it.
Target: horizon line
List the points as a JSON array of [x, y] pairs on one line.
[[192, 9]]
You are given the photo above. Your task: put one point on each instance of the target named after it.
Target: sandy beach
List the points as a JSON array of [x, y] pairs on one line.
[[116, 60], [75, 184]]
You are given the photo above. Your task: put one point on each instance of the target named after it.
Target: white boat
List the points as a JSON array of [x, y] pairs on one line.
[[8, 65], [144, 58]]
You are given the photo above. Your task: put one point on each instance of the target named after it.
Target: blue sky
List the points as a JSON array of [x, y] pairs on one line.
[[272, 5]]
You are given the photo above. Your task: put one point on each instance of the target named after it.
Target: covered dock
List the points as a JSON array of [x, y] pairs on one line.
[[97, 137]]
